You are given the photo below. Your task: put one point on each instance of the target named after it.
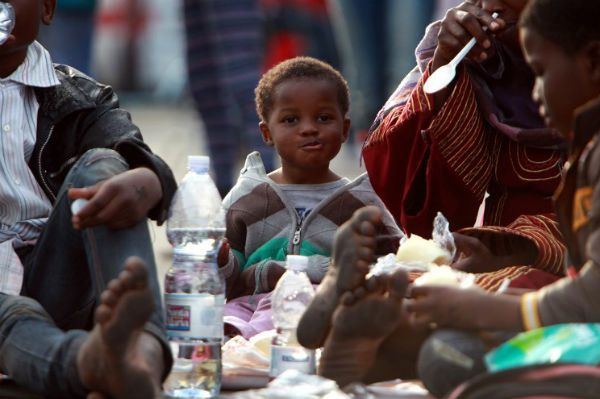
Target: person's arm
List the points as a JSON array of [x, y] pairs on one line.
[[470, 309], [118, 202], [109, 126], [421, 161], [532, 240]]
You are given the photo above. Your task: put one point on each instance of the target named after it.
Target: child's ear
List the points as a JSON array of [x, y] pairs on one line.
[[49, 6], [346, 131], [265, 132]]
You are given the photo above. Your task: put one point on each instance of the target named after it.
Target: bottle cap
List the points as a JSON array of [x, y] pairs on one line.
[[198, 163], [296, 262], [7, 21]]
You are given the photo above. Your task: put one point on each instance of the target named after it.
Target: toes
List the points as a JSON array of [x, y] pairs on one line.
[[109, 298], [348, 299], [398, 284], [102, 313], [137, 272], [373, 284]]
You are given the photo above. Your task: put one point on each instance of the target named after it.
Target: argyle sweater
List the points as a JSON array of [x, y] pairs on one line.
[[263, 227]]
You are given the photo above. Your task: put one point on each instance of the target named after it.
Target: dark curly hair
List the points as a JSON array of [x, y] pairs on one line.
[[570, 24], [298, 68]]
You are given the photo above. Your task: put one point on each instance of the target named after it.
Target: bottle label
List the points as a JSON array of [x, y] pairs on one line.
[[291, 358], [194, 315]]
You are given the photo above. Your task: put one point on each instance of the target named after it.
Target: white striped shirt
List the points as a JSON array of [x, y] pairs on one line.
[[24, 208]]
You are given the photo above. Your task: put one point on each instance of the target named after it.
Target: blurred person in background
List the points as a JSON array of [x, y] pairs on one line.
[[70, 39], [224, 55], [376, 39], [295, 28]]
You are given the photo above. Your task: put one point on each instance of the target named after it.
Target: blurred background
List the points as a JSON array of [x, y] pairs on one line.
[[186, 69]]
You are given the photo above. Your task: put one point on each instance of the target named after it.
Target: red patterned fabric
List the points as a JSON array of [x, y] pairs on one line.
[[421, 161]]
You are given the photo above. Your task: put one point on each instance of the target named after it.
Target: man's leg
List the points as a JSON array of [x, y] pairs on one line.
[[117, 359], [68, 269], [34, 352]]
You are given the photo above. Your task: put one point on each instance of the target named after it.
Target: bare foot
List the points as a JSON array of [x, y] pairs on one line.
[[364, 319], [354, 248], [112, 361]]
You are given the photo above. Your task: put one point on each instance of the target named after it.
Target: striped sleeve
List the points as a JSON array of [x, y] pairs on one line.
[[460, 135], [541, 230], [422, 160]]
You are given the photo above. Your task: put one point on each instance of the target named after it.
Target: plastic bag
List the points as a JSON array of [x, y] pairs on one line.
[[561, 343], [441, 236]]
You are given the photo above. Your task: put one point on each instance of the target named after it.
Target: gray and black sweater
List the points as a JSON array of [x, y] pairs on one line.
[[263, 227]]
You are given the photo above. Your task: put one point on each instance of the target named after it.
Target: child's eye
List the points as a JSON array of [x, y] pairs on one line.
[[290, 119], [324, 118]]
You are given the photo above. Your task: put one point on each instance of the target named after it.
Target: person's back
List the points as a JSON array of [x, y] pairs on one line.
[[65, 139], [302, 104]]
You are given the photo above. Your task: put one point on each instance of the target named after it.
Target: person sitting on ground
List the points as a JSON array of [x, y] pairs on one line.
[[564, 54], [302, 104], [561, 41], [465, 134], [64, 138], [443, 152]]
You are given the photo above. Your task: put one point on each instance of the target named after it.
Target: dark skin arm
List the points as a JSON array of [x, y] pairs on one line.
[[118, 202], [469, 309], [274, 273], [476, 257]]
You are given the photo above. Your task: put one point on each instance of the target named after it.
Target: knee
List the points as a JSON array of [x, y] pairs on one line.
[[14, 308], [449, 358], [96, 165]]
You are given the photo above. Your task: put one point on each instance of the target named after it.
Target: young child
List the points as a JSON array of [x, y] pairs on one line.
[[561, 41], [63, 138], [302, 104]]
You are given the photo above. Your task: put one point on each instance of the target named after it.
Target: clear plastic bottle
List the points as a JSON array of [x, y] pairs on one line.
[[194, 287], [291, 296]]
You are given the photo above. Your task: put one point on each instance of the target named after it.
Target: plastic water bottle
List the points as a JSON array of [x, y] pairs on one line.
[[194, 287], [291, 296]]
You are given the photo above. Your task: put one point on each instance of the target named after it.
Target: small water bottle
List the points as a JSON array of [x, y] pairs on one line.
[[292, 294], [194, 287]]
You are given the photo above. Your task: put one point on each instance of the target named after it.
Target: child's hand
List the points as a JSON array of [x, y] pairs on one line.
[[442, 306], [223, 255], [463, 308], [118, 202]]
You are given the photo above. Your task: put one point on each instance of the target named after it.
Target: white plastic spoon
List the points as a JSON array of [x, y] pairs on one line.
[[445, 74]]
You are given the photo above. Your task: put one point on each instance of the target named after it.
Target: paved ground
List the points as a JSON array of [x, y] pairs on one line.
[[174, 131]]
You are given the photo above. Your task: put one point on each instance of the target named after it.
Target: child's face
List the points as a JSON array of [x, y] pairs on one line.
[[28, 15], [563, 82], [306, 124]]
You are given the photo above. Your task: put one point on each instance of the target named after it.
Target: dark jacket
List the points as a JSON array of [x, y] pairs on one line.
[[578, 198], [577, 300], [81, 114]]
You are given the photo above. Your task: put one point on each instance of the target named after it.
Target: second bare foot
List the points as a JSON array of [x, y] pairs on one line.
[[359, 325]]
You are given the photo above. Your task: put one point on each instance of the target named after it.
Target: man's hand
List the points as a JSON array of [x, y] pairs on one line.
[[470, 309], [458, 27], [476, 257], [118, 202]]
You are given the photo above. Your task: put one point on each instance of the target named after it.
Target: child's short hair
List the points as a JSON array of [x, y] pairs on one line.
[[570, 24], [295, 68]]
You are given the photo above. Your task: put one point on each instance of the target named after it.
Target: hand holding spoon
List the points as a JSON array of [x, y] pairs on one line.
[[445, 74]]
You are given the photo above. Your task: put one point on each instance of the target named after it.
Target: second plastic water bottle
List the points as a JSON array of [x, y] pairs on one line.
[[292, 294], [194, 288]]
